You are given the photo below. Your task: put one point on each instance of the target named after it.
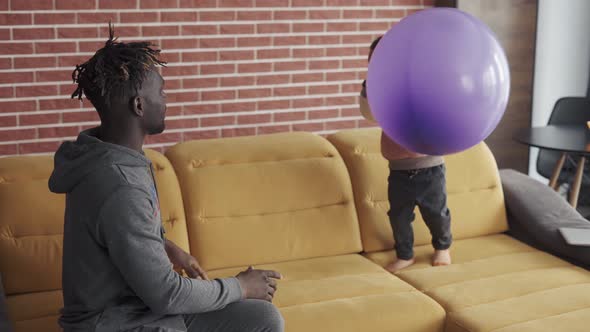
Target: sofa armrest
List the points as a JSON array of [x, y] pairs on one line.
[[535, 214], [4, 321]]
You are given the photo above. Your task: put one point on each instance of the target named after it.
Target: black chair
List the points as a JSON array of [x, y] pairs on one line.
[[567, 111]]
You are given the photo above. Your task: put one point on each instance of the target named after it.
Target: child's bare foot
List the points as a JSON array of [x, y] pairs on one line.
[[441, 258], [399, 264]]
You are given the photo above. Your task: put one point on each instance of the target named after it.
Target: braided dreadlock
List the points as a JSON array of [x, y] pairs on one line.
[[116, 69]]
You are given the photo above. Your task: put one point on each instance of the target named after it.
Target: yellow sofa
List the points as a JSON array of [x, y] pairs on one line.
[[496, 283], [314, 209]]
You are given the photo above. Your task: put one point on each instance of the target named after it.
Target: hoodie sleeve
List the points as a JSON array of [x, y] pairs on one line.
[[129, 229]]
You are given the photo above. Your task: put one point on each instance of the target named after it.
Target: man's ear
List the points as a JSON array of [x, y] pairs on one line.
[[137, 106]]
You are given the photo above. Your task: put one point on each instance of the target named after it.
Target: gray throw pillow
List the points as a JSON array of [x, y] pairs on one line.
[[535, 214]]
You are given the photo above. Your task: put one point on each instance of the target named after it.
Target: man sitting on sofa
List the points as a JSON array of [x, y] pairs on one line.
[[117, 263]]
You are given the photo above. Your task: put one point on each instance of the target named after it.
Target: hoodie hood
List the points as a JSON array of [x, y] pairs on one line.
[[74, 161]]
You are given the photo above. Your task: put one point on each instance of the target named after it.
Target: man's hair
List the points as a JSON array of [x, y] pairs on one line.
[[116, 70]]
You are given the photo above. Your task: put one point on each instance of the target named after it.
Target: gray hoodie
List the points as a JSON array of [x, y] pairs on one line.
[[116, 273]]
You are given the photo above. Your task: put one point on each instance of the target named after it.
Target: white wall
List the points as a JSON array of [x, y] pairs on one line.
[[562, 59]]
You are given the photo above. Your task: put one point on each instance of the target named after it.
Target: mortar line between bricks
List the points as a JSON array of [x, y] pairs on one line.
[[204, 37], [233, 75], [201, 63], [203, 50], [207, 23], [200, 128], [188, 116], [211, 9], [80, 110], [197, 90]]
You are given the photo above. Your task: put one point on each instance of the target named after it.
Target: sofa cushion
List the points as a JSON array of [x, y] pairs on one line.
[[171, 204], [31, 221], [497, 283], [265, 199], [474, 192], [35, 311], [31, 234], [31, 226], [348, 293], [536, 212]]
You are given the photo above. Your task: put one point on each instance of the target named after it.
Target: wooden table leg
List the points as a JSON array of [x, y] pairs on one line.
[[557, 171], [575, 193]]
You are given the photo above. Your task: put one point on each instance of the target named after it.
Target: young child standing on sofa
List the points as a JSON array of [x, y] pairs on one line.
[[414, 179]]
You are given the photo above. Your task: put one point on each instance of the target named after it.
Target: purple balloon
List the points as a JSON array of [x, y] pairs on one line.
[[438, 82]]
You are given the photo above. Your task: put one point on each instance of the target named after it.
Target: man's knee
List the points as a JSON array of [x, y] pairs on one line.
[[270, 317]]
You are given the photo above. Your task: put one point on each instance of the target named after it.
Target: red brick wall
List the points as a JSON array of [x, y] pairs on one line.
[[236, 67]]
